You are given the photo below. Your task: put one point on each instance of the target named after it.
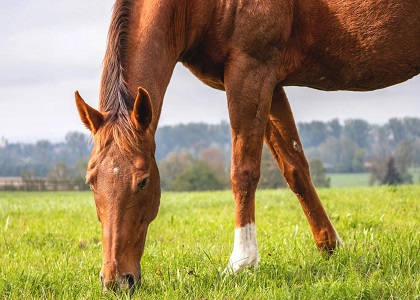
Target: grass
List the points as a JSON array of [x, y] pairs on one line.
[[349, 179], [362, 179], [50, 247]]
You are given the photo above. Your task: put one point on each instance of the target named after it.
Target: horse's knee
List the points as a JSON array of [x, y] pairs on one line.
[[245, 178]]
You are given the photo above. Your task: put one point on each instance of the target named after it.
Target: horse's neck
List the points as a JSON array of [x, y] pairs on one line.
[[153, 50]]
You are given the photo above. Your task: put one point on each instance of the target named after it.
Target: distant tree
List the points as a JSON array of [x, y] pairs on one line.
[[215, 159], [312, 134], [79, 175], [44, 151], [397, 130], [318, 174], [196, 177], [78, 144], [60, 176], [172, 166], [381, 147], [392, 176], [192, 138], [412, 127], [377, 169], [358, 131], [358, 162], [334, 128], [405, 155], [405, 152], [271, 177], [182, 172], [41, 157], [342, 155]]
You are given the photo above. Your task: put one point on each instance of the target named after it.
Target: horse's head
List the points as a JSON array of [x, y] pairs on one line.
[[123, 175]]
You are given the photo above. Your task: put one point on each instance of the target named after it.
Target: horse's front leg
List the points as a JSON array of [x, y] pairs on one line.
[[249, 90]]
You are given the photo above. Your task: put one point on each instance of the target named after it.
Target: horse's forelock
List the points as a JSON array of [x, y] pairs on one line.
[[120, 130]]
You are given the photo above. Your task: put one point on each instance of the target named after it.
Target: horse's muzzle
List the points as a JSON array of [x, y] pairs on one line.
[[123, 284]]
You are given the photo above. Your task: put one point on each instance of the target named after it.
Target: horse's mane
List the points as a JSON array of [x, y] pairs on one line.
[[114, 93], [115, 98]]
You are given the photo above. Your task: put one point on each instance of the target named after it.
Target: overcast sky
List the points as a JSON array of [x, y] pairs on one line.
[[49, 49]]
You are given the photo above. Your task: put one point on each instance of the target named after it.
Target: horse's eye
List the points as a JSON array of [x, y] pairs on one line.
[[142, 185]]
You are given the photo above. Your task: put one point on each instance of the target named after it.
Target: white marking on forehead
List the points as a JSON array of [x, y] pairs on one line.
[[116, 170]]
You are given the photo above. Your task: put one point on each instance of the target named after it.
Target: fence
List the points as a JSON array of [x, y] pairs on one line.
[[39, 184]]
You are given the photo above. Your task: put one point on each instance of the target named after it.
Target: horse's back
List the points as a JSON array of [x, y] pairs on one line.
[[325, 44], [361, 45]]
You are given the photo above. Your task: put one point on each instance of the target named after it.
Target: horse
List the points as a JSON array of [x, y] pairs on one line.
[[251, 50]]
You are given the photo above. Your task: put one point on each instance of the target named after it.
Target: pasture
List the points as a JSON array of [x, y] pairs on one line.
[[50, 247], [362, 179]]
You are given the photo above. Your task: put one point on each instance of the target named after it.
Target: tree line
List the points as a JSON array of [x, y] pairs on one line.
[[358, 146], [196, 156], [46, 165]]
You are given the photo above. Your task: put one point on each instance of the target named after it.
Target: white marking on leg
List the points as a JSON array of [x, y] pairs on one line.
[[245, 249], [116, 170], [339, 240]]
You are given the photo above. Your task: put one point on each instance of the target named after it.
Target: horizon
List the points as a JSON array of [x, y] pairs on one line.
[[85, 131]]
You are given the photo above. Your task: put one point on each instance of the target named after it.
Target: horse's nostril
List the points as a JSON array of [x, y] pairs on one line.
[[131, 280], [127, 283], [124, 283]]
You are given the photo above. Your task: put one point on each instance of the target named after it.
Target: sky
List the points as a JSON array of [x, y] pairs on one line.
[[49, 49]]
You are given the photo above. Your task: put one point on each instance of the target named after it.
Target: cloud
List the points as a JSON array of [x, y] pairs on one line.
[[44, 41]]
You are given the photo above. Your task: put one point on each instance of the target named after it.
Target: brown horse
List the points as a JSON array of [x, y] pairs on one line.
[[250, 49]]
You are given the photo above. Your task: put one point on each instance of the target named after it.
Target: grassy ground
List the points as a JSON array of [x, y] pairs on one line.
[[349, 179], [50, 247], [362, 179]]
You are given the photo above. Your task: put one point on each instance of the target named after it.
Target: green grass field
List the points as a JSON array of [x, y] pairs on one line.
[[349, 179], [50, 247], [362, 179]]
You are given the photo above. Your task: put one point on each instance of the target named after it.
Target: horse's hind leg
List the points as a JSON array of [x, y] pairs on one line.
[[283, 140]]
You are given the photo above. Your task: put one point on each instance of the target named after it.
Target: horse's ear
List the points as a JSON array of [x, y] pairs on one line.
[[142, 113], [92, 118]]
